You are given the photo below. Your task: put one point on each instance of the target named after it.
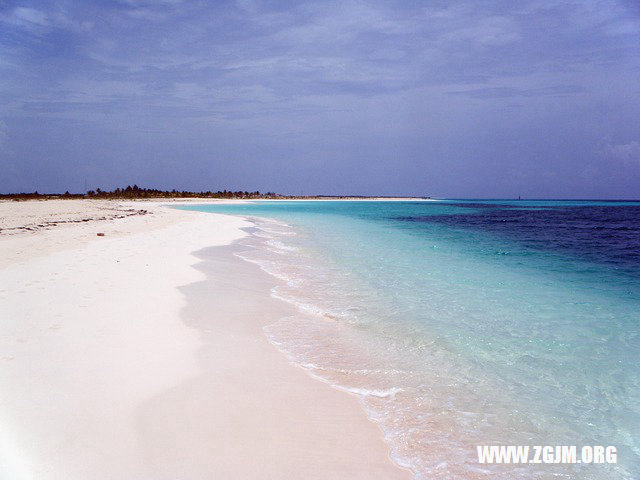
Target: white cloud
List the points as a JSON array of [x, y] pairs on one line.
[[30, 15], [626, 152], [29, 18], [489, 31], [150, 3], [39, 22]]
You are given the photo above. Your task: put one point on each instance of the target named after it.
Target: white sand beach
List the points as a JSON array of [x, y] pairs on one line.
[[140, 355]]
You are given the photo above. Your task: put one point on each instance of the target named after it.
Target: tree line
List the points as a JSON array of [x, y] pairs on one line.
[[133, 192]]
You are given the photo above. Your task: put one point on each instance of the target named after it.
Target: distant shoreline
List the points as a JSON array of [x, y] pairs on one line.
[[189, 196], [136, 193]]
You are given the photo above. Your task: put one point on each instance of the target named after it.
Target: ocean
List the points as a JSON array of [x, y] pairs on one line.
[[462, 323]]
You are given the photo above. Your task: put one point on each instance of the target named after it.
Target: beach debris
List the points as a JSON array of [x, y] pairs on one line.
[[100, 234]]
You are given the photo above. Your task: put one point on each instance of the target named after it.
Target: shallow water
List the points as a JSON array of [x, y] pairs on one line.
[[464, 323]]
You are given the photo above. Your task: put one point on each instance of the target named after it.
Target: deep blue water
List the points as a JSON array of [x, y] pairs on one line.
[[607, 233], [466, 322]]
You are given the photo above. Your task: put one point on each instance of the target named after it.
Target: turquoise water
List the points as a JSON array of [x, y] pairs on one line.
[[463, 323]]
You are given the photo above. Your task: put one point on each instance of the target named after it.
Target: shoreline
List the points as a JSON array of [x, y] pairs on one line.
[[112, 366], [299, 426]]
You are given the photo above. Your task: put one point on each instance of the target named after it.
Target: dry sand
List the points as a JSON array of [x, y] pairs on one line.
[[121, 359]]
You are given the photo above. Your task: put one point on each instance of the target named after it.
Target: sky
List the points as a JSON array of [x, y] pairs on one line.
[[452, 99]]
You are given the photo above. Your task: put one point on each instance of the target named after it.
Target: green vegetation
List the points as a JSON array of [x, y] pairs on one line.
[[136, 192]]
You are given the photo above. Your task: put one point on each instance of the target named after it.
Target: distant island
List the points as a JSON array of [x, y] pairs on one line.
[[135, 192]]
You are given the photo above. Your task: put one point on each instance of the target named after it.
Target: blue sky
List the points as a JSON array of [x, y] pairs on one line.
[[537, 98]]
